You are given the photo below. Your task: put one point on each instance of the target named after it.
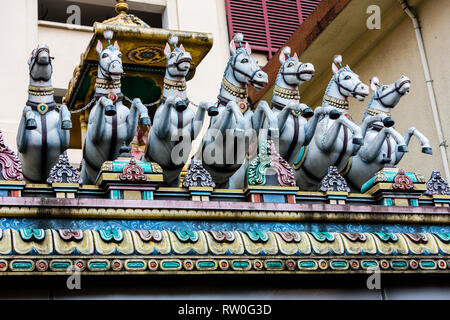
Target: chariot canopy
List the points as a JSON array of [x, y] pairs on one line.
[[143, 60]]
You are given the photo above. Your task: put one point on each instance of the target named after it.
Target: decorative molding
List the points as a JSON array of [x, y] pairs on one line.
[[403, 182], [133, 172], [437, 185], [11, 166], [64, 172], [197, 176], [333, 181], [268, 158]]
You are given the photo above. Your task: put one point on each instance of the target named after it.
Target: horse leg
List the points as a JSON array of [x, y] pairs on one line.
[[311, 125], [264, 109], [369, 120], [162, 126], [23, 133], [356, 131], [30, 123], [329, 137], [200, 117], [370, 151], [64, 116], [424, 142], [98, 115]]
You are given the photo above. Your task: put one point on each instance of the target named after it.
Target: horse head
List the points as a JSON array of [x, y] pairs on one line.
[[110, 60], [245, 68], [178, 60], [386, 97], [40, 63], [347, 82], [292, 71]]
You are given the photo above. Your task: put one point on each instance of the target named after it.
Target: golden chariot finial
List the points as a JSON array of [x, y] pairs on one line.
[[121, 6]]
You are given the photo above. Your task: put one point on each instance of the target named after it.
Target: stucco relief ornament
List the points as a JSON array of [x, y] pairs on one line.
[[133, 172], [197, 176], [11, 166], [64, 172], [402, 181], [333, 181], [268, 158], [437, 185]]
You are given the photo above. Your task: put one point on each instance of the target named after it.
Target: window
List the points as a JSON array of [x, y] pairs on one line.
[[267, 24], [57, 11]]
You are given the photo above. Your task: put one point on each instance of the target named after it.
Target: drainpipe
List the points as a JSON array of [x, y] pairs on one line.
[[429, 82]]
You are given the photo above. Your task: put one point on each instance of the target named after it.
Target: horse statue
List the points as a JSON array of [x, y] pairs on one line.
[[44, 129], [383, 145], [225, 145], [334, 141], [175, 125], [111, 124]]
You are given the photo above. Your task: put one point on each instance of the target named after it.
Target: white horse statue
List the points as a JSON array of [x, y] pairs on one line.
[[334, 141], [111, 124], [227, 131], [44, 129], [383, 145], [175, 125]]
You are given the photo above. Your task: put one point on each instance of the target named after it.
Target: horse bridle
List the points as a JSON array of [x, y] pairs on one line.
[[297, 74], [250, 77], [395, 89], [103, 70], [177, 64], [340, 86], [33, 60]]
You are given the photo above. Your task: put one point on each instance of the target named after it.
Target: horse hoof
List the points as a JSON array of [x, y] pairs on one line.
[[402, 148], [427, 150], [180, 106], [213, 111], [110, 110], [334, 114], [66, 125], [145, 121], [388, 122], [358, 141], [31, 124], [307, 113]]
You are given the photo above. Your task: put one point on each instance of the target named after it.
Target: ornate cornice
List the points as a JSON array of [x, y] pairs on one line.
[[11, 166], [437, 185], [333, 181], [197, 176], [64, 172]]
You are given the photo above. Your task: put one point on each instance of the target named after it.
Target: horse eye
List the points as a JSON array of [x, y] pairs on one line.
[[384, 88], [120, 55], [172, 55], [245, 60], [347, 78], [290, 64], [105, 55]]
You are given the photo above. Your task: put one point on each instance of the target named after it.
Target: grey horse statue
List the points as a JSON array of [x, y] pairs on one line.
[[383, 145], [111, 124], [44, 129], [334, 141], [175, 125], [230, 133]]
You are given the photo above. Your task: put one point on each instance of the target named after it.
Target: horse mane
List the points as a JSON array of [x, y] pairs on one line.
[[333, 79]]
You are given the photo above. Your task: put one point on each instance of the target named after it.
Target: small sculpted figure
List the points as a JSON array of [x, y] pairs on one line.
[[44, 129], [334, 141], [175, 125], [226, 146], [383, 145], [111, 124]]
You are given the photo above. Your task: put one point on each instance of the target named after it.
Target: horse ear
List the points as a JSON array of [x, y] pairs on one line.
[[295, 56], [116, 45], [374, 82], [334, 67], [232, 46], [167, 50], [282, 57], [248, 48], [182, 48], [99, 47]]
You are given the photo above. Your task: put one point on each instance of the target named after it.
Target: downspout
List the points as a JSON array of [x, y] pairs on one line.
[[429, 82]]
